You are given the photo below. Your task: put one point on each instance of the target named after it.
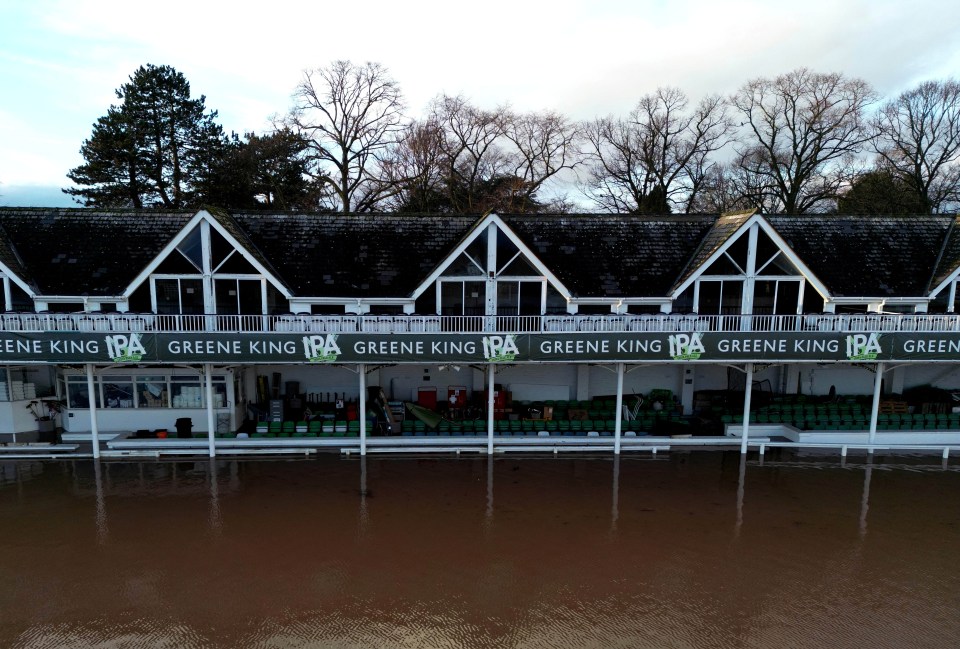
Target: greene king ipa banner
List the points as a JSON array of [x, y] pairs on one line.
[[106, 347]]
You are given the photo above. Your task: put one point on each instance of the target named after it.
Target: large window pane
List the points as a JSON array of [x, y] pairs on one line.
[[77, 394], [186, 392], [118, 391], [191, 296], [168, 295], [508, 298], [228, 302], [152, 392], [530, 298]]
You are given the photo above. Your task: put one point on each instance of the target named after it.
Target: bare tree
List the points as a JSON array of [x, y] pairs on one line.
[[476, 167], [544, 145], [657, 158], [462, 159], [801, 129], [351, 115], [733, 187], [918, 141], [416, 168]]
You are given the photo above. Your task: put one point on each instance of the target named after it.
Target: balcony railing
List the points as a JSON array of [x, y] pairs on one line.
[[403, 324]]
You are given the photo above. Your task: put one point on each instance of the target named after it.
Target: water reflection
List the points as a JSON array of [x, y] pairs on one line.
[[103, 531], [865, 498], [489, 512], [615, 508], [364, 516], [216, 518], [584, 553], [741, 488]]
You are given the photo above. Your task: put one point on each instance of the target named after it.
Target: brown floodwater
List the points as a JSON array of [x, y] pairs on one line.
[[685, 550]]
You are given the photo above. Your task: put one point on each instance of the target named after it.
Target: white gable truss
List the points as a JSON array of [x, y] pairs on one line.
[[10, 276], [204, 217], [482, 229], [950, 282], [765, 227]]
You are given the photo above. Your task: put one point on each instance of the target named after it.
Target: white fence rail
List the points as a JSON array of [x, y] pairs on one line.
[[401, 324]]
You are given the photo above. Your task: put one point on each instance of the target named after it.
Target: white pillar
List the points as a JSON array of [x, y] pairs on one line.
[[363, 409], [94, 431], [687, 390], [211, 423], [875, 407], [897, 376], [749, 283], [583, 382], [748, 391], [619, 420], [490, 409]]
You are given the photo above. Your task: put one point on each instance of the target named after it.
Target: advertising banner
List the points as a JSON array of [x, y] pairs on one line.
[[692, 347]]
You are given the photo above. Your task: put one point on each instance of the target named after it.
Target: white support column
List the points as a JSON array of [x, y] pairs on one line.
[[490, 309], [94, 431], [747, 393], [618, 427], [687, 390], [897, 376], [583, 382], [750, 281], [490, 409], [363, 408], [206, 248], [875, 407], [211, 420]]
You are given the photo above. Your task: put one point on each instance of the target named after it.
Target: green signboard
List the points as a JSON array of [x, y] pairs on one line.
[[694, 347]]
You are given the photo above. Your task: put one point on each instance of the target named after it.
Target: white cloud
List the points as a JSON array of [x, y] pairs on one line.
[[61, 61]]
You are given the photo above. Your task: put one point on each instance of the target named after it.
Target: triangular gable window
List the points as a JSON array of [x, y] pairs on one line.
[[207, 273], [768, 284], [187, 258], [192, 249], [235, 264], [519, 266], [176, 264], [723, 266], [505, 281], [220, 249]]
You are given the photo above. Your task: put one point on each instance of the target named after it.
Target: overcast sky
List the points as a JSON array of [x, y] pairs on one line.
[[60, 61]]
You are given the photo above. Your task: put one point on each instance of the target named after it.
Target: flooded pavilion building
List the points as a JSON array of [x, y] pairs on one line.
[[476, 331]]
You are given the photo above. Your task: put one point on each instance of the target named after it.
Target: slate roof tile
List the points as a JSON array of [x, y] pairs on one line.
[[613, 255], [358, 255], [104, 250], [99, 252], [867, 256]]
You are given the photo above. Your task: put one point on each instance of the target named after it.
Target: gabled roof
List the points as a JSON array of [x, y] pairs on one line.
[[230, 225], [718, 234], [479, 229], [100, 252], [867, 256], [84, 251], [353, 255], [611, 255]]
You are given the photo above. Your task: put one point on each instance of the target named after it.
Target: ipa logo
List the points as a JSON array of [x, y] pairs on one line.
[[123, 348], [497, 349], [863, 347], [686, 347], [321, 349]]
